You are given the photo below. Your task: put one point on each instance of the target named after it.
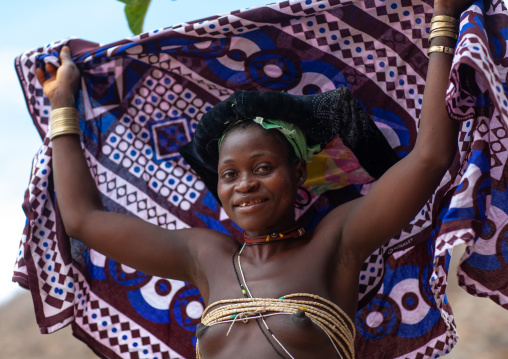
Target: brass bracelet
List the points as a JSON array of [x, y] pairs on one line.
[[442, 27], [439, 33], [447, 23], [439, 24], [64, 121], [443, 49], [445, 18]]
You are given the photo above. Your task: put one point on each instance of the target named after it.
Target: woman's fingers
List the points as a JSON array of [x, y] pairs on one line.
[[60, 83], [65, 55], [51, 70], [40, 76]]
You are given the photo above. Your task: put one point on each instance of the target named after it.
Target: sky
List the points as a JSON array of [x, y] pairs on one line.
[[29, 24]]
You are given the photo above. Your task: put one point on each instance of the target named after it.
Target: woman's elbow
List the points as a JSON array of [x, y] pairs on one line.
[[76, 223]]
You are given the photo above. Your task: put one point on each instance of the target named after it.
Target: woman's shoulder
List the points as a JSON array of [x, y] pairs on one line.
[[206, 239], [330, 227]]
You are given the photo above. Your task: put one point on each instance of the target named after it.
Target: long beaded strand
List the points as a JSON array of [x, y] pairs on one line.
[[240, 247], [250, 295]]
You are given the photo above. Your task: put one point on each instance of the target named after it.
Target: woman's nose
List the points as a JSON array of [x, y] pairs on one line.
[[246, 183]]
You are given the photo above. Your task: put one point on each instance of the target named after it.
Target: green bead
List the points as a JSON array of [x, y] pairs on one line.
[[281, 297], [243, 291], [233, 316]]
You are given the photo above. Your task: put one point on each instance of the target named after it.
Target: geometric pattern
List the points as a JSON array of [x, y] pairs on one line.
[[143, 97]]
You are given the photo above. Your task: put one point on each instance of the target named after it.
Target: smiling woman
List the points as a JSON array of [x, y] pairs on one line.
[[257, 186], [257, 183], [291, 288]]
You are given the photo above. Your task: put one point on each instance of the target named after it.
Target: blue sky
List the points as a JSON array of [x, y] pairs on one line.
[[33, 23]]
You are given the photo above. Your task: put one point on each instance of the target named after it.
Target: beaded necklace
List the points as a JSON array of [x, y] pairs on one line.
[[245, 290], [295, 232]]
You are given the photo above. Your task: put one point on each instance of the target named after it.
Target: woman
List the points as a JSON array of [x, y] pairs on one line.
[[257, 187]]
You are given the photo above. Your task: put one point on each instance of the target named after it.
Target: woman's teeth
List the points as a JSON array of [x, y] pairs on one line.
[[250, 203]]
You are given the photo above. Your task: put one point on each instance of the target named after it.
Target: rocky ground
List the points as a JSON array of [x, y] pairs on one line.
[[482, 326]]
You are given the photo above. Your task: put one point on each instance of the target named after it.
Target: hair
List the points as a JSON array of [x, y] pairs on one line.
[[242, 125]]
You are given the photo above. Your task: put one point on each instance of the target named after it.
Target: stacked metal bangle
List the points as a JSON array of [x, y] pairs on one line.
[[64, 121], [443, 25]]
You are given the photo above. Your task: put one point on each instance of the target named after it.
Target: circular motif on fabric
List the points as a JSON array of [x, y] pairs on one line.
[[502, 247], [122, 191], [274, 70], [194, 309], [164, 106], [184, 315], [178, 172], [410, 301], [161, 90], [374, 319], [123, 146], [162, 287], [177, 88], [311, 89], [488, 229], [160, 175], [127, 277], [379, 318], [185, 205], [462, 187], [120, 129], [181, 188], [199, 185], [148, 108], [210, 48], [157, 74], [428, 295], [126, 162], [143, 91], [237, 55]]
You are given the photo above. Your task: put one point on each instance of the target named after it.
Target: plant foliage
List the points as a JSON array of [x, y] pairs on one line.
[[135, 12]]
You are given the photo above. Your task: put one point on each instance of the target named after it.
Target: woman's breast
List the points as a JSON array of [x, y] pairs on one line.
[[296, 332]]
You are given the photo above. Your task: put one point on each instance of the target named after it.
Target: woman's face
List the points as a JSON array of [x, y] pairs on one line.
[[257, 184]]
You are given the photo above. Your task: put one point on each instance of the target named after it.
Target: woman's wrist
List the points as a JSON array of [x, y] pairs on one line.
[[444, 10], [443, 41], [64, 121], [62, 102]]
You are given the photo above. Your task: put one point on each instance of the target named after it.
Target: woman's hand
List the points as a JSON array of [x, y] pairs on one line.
[[60, 88], [451, 7]]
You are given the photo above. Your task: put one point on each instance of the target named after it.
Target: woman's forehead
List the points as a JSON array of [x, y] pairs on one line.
[[250, 138]]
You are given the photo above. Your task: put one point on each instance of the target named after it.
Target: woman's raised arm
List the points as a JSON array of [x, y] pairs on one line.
[[404, 189], [126, 239]]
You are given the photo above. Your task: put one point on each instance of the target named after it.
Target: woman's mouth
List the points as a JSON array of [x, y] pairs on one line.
[[250, 203]]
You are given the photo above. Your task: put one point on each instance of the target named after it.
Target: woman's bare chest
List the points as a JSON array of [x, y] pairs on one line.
[[292, 334], [271, 277]]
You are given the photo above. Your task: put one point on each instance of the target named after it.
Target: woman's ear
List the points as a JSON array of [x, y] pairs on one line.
[[301, 172]]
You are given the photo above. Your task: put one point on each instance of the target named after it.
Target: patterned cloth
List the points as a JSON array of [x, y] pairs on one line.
[[141, 99]]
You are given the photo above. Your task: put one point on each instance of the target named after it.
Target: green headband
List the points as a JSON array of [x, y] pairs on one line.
[[292, 133]]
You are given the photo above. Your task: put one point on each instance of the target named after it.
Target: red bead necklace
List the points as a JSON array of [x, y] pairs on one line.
[[295, 232]]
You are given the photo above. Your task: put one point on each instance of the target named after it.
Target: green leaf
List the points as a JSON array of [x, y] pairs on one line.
[[135, 12]]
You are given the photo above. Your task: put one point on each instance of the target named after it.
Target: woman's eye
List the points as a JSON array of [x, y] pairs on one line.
[[263, 169], [229, 175]]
